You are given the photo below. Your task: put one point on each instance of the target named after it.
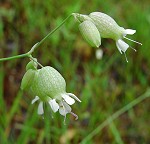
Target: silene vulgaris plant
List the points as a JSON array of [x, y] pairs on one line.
[[98, 25], [46, 84]]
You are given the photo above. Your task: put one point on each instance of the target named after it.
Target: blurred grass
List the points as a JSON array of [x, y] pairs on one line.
[[104, 86]]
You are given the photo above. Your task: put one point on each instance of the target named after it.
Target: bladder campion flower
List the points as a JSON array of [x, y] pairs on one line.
[[107, 28], [90, 33], [49, 86]]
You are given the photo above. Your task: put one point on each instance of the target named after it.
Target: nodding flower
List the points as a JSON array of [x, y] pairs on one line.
[[48, 86], [107, 28]]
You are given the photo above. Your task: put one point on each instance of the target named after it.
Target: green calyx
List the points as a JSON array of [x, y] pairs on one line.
[[27, 79], [106, 25], [103, 23], [90, 33], [45, 82], [51, 81], [32, 64]]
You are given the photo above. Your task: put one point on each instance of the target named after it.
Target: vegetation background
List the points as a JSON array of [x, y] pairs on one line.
[[104, 86]]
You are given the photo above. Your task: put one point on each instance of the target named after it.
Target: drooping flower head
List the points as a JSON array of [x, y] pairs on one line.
[[48, 86], [107, 28]]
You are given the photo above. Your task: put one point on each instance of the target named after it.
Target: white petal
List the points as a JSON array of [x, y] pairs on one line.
[[64, 108], [54, 105], [62, 111], [67, 107], [118, 47], [73, 96], [122, 46], [68, 99], [40, 108], [35, 99], [130, 31], [99, 54]]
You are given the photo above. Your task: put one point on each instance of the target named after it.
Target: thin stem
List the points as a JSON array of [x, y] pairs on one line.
[[35, 61], [49, 34], [116, 115], [14, 57], [36, 45]]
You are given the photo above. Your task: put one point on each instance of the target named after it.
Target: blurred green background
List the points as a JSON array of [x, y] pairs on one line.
[[104, 86]]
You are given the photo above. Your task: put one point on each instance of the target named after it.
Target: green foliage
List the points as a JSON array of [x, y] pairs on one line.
[[104, 86]]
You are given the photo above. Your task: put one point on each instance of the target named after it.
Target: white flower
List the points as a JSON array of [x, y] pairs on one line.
[[55, 104], [99, 54], [48, 86], [107, 28], [121, 45]]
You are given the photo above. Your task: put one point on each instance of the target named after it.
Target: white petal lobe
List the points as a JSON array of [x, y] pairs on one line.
[[118, 47], [73, 96], [40, 108], [64, 108], [130, 31], [122, 46], [67, 107], [62, 111], [54, 105], [99, 54], [35, 99], [68, 99]]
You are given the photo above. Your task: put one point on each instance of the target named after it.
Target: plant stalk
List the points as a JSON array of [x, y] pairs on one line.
[[115, 116], [36, 45], [14, 57]]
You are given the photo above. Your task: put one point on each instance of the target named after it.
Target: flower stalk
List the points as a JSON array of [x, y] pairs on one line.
[[28, 54], [14, 57]]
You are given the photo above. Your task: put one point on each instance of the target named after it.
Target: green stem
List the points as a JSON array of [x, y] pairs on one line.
[[35, 61], [116, 115], [14, 57], [49, 34], [36, 45]]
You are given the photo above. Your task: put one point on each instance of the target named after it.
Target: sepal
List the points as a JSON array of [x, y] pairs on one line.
[[27, 79], [90, 33], [32, 65]]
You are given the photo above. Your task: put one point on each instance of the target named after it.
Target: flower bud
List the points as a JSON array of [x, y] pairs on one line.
[[27, 79], [32, 65], [90, 33], [81, 18]]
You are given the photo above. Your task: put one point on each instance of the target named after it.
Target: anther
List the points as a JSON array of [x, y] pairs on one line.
[[133, 40]]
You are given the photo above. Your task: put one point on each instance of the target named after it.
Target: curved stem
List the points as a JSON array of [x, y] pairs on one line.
[[111, 118], [35, 61], [36, 45], [14, 57], [49, 34]]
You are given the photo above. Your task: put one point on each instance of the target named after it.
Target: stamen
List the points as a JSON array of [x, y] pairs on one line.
[[65, 119], [65, 114], [125, 57], [133, 40], [76, 117], [133, 48]]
